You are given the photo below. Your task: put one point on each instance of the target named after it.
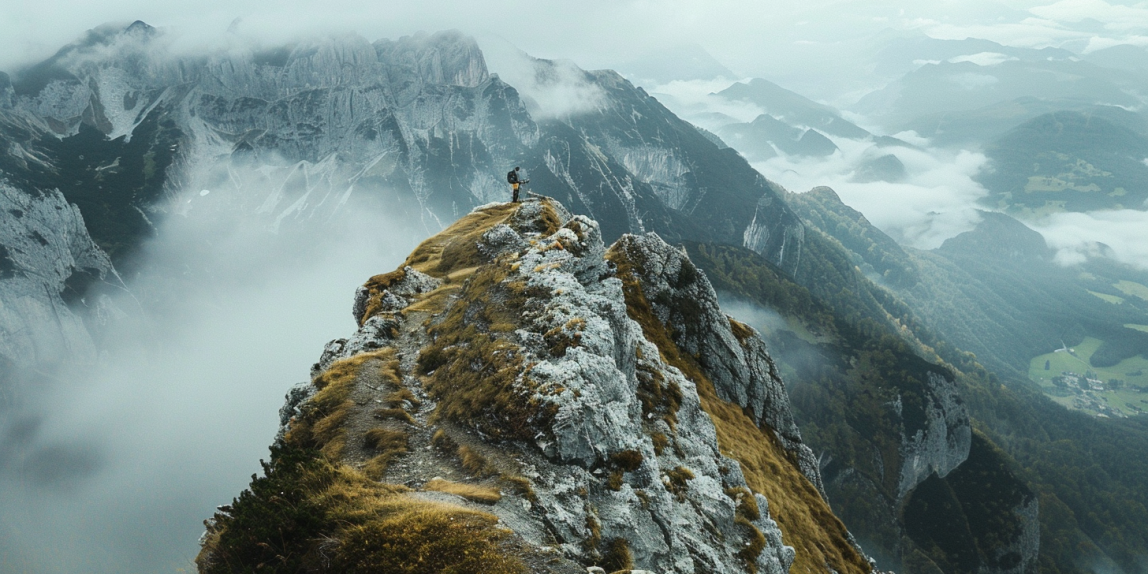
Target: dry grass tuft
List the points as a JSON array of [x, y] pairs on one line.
[[677, 481], [659, 397], [617, 557], [385, 439], [561, 338], [660, 441], [375, 287], [614, 481], [394, 414], [522, 485], [753, 547], [389, 444], [397, 398], [472, 492], [320, 425], [746, 502], [473, 462], [642, 496], [740, 330], [442, 441], [595, 529], [627, 460]]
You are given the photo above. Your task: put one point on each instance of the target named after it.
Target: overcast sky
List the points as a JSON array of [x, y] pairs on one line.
[[805, 43]]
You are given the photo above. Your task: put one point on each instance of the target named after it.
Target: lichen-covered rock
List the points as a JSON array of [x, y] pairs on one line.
[[585, 355], [506, 349], [738, 364]]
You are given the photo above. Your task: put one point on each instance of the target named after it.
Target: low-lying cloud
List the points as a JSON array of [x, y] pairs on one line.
[[551, 88], [113, 469], [752, 314], [936, 200], [1119, 234]]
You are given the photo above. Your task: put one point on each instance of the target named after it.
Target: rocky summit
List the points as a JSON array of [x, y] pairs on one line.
[[521, 397]]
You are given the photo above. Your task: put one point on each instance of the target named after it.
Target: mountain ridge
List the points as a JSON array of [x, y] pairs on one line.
[[541, 357]]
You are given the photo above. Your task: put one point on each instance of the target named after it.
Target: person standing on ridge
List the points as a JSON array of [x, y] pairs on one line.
[[512, 179]]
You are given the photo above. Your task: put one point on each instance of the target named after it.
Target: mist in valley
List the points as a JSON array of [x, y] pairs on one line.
[[112, 467]]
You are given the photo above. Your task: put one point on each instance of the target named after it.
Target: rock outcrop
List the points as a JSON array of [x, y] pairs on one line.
[[514, 355], [942, 442], [46, 257]]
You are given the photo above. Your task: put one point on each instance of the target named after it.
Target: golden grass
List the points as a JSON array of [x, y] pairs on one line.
[[753, 549], [389, 444], [472, 492], [356, 525], [627, 460], [446, 256], [806, 521], [457, 246], [614, 481], [391, 532], [394, 414], [678, 481], [617, 557], [521, 485], [746, 502], [565, 336], [661, 441], [321, 423], [442, 441], [396, 398], [473, 373], [740, 330], [385, 439], [473, 462]]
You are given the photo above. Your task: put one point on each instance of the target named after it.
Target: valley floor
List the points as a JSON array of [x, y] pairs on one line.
[[1068, 377]]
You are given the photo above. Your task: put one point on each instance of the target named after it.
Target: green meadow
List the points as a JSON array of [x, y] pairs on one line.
[[1133, 371]]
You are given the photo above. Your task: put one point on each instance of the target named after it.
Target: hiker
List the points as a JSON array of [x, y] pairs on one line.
[[512, 179]]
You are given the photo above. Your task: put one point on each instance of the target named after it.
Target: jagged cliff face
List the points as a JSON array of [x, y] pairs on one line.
[[923, 497], [130, 131], [45, 257], [516, 369], [941, 443]]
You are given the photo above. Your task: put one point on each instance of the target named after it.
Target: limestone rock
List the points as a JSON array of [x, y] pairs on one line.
[[606, 461], [43, 246], [942, 443]]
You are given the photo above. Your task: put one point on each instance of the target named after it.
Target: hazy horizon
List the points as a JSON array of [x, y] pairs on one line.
[[789, 42]]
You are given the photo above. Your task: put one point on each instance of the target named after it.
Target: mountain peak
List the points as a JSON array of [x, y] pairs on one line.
[[998, 236], [595, 401]]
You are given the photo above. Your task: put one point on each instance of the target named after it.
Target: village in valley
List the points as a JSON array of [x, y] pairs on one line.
[[1066, 375]]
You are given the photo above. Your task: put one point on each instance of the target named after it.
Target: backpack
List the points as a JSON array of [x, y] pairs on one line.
[[512, 177]]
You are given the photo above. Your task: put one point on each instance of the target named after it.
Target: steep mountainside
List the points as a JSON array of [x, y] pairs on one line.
[[129, 132], [519, 397], [994, 291], [892, 429], [1069, 161]]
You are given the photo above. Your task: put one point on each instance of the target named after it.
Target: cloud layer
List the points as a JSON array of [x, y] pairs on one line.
[[789, 41], [117, 466]]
